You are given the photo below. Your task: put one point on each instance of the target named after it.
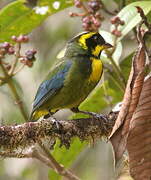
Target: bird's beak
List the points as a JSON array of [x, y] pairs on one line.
[[107, 45]]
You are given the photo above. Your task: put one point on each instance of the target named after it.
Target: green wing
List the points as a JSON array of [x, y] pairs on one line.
[[53, 83]]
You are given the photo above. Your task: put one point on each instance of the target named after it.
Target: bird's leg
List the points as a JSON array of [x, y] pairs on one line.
[[47, 116], [55, 120], [103, 120], [92, 114]]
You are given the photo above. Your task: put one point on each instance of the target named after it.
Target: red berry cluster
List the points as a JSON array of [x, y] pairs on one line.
[[91, 18], [14, 48], [117, 21], [6, 48], [20, 39]]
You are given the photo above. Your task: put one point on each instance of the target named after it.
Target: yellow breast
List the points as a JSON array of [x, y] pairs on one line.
[[97, 69]]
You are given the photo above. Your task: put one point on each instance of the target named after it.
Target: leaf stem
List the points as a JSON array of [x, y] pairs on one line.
[[118, 72], [19, 69], [117, 83], [117, 69]]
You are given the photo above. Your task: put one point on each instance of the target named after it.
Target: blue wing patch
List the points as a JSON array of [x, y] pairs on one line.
[[49, 87]]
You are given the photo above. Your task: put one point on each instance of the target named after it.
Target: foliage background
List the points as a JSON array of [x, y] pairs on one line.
[[48, 36]]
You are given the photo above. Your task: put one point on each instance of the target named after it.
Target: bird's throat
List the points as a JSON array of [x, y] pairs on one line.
[[97, 69]]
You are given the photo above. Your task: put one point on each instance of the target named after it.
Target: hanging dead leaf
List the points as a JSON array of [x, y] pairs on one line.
[[139, 139], [120, 130]]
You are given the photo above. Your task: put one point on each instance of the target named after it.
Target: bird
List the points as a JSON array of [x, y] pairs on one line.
[[72, 78]]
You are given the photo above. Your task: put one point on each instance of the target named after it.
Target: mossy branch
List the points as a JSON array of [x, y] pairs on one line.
[[25, 135], [18, 141]]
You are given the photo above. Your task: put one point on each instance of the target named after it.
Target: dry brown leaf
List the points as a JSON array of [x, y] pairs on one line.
[[139, 139], [120, 130]]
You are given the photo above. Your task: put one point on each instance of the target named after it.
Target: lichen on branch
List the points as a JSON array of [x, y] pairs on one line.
[[28, 134]]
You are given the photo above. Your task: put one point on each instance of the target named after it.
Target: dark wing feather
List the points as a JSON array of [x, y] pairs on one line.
[[50, 86]]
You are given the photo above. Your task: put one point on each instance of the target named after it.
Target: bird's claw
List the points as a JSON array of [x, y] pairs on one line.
[[56, 122], [102, 120], [99, 116]]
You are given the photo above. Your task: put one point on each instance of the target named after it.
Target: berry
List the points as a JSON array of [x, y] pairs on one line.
[[122, 22], [25, 38], [98, 15], [94, 5], [26, 61], [86, 19], [8, 67], [29, 63], [97, 23], [116, 32], [114, 19], [30, 54], [14, 38], [117, 20], [78, 3], [11, 50], [71, 14], [2, 51], [19, 39], [22, 38], [5, 45]]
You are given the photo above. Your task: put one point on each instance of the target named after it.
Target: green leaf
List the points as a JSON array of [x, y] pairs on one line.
[[131, 17], [66, 156], [19, 18], [126, 65]]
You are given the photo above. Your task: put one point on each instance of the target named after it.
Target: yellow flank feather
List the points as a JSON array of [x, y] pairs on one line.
[[97, 50], [84, 37], [39, 113], [97, 69]]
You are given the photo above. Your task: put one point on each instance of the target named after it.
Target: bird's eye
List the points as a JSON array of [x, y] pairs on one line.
[[95, 37]]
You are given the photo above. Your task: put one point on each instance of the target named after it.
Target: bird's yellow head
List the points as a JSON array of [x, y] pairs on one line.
[[92, 42]]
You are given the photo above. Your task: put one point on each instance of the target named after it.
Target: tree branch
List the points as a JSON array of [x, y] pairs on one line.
[[27, 134], [18, 141], [34, 153]]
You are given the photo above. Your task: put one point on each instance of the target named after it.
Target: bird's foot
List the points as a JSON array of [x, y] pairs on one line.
[[100, 117], [55, 121], [92, 114]]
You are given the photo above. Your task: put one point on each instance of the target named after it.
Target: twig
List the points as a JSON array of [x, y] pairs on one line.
[[19, 69], [14, 154], [123, 3], [34, 153], [142, 35], [16, 59], [56, 166], [14, 91], [108, 100], [106, 10], [84, 8], [144, 18]]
